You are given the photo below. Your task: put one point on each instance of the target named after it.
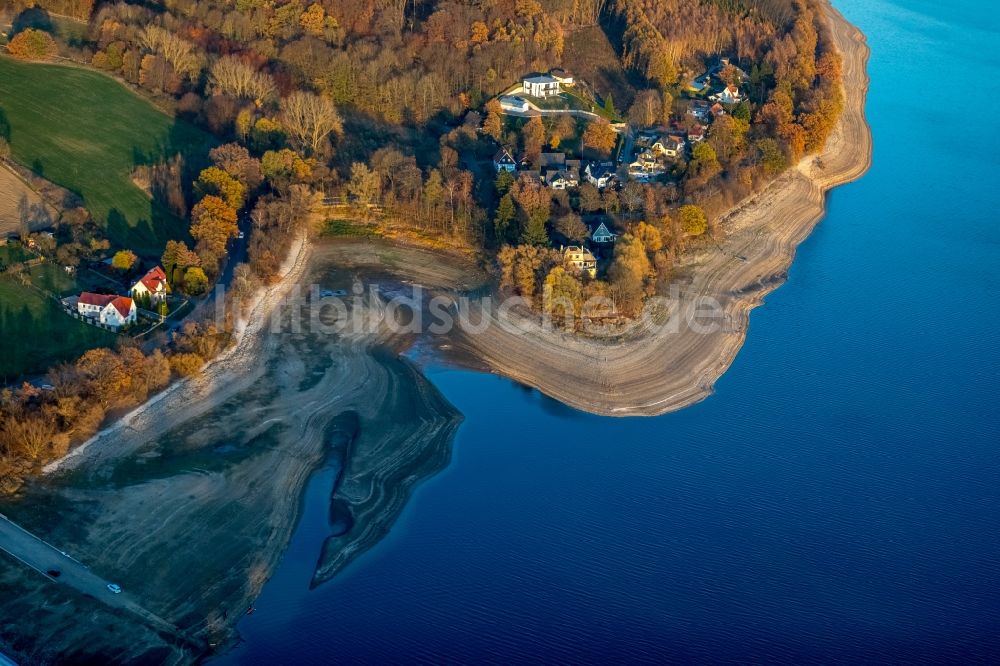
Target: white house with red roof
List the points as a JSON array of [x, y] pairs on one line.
[[153, 284], [729, 95], [108, 309]]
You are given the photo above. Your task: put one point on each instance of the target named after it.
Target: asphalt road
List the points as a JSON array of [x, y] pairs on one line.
[[44, 558]]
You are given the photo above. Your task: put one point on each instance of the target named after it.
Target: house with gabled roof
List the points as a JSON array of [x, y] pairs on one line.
[[562, 76], [670, 145], [602, 235], [108, 309], [552, 161], [580, 259], [729, 95], [599, 175], [502, 161], [152, 285], [562, 179], [700, 109]]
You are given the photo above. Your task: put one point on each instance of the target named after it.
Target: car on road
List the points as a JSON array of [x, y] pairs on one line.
[[115, 588], [240, 235]]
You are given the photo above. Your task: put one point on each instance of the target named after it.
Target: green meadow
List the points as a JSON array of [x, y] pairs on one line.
[[86, 132], [35, 333]]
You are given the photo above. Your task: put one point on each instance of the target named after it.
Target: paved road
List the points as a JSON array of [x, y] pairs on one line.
[[44, 558]]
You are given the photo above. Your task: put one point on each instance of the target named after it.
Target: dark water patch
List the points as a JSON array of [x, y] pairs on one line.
[[835, 500], [341, 517], [339, 439]]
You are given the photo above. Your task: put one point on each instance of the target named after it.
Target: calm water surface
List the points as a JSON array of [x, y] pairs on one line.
[[838, 497]]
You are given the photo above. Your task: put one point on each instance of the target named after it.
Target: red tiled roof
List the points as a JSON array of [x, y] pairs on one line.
[[123, 304], [88, 298], [154, 278]]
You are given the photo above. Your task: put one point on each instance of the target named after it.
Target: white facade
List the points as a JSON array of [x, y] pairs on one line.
[[540, 86], [114, 311], [514, 103], [153, 284], [669, 146], [599, 175], [730, 95]]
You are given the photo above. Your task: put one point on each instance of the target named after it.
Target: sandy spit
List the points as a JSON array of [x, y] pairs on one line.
[[654, 370]]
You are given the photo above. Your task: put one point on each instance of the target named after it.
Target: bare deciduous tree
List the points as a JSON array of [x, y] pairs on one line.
[[232, 76], [180, 53], [310, 118]]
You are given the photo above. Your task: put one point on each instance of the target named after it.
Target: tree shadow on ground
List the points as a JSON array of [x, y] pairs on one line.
[[33, 17]]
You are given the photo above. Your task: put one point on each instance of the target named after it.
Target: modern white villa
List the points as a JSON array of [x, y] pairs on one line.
[[541, 86]]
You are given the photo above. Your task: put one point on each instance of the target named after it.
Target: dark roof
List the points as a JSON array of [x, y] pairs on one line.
[[502, 156], [597, 170], [552, 159]]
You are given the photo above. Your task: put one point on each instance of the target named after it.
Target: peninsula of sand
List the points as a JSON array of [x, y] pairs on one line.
[[656, 369]]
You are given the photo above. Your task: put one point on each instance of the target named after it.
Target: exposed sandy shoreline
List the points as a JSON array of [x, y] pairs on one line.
[[275, 395], [654, 371], [214, 384], [190, 500]]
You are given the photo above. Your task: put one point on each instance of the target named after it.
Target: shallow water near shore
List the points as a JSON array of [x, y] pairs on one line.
[[836, 498]]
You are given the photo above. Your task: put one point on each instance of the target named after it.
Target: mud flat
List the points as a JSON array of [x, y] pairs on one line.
[[190, 501], [653, 369]]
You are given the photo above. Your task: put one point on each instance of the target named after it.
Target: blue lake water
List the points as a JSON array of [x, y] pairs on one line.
[[837, 498]]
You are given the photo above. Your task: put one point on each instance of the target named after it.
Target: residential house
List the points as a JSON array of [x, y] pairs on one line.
[[108, 309], [558, 172], [645, 164], [717, 110], [562, 76], [514, 103], [600, 175], [701, 110], [153, 284], [533, 175], [552, 161], [502, 161], [696, 133], [562, 179], [523, 162], [580, 259], [670, 145], [729, 95], [540, 86], [603, 235]]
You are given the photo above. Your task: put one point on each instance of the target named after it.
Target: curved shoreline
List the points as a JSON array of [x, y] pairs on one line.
[[659, 370], [211, 386]]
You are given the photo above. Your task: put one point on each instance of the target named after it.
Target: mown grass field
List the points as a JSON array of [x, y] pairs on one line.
[[35, 333], [87, 133]]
